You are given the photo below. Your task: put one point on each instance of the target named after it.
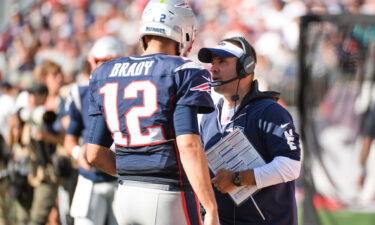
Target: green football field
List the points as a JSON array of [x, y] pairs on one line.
[[344, 218], [347, 218]]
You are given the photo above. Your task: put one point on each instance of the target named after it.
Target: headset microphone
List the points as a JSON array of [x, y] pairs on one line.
[[219, 83]]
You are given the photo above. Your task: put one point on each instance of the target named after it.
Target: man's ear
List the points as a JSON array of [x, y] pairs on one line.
[[144, 40]]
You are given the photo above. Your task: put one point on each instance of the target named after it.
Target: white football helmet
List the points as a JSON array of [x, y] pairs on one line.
[[105, 49], [173, 19]]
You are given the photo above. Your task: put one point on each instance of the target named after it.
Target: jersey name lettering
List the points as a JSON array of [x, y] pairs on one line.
[[131, 69]]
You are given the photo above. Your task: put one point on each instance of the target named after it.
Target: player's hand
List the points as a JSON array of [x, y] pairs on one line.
[[82, 159], [211, 218], [223, 181]]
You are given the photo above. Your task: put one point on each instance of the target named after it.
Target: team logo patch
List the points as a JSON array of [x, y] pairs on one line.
[[201, 87]]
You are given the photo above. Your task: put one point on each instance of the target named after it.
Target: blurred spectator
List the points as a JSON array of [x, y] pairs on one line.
[[22, 157], [63, 31], [51, 75], [42, 177], [7, 102]]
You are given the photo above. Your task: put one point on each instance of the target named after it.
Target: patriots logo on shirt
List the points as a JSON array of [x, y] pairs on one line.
[[201, 87]]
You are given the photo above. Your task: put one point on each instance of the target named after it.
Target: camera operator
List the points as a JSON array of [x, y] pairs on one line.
[[18, 169], [41, 138], [50, 74]]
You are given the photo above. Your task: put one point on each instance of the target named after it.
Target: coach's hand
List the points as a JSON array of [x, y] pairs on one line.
[[223, 181]]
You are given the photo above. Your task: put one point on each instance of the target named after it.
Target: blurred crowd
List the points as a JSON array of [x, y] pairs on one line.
[[64, 30], [48, 41]]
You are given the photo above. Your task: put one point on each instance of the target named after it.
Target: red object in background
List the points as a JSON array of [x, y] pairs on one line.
[[326, 203], [139, 5], [54, 3], [76, 3]]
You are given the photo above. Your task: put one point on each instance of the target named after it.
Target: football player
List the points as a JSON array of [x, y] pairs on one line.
[[94, 193], [148, 104]]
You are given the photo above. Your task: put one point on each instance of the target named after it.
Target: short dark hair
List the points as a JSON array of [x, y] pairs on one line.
[[159, 38]]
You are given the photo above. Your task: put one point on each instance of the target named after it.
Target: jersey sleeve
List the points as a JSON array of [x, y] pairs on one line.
[[75, 126], [98, 132], [281, 138], [185, 120], [95, 105], [194, 88]]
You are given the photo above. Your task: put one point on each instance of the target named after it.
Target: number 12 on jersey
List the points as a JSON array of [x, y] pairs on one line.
[[132, 117]]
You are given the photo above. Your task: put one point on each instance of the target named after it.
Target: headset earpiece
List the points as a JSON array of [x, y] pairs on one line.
[[246, 63]]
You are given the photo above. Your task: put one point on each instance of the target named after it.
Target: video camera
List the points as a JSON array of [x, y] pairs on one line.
[[37, 115]]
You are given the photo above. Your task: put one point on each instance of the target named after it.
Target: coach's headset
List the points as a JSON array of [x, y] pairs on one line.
[[245, 64]]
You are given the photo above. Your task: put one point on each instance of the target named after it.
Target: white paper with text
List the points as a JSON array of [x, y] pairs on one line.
[[235, 152]]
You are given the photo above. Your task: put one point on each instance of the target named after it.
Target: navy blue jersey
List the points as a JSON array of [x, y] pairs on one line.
[[77, 109], [269, 127], [137, 96]]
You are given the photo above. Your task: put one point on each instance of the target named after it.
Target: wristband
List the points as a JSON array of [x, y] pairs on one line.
[[75, 152]]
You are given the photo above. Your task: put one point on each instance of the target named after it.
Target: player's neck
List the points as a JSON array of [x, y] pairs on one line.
[[156, 46]]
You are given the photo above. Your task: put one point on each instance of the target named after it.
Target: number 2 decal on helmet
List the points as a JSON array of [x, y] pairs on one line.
[[173, 19]]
